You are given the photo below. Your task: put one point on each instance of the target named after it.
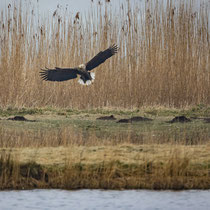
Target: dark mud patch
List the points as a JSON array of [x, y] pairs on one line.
[[140, 119], [20, 118], [207, 120], [111, 117], [134, 119], [124, 121], [181, 119]]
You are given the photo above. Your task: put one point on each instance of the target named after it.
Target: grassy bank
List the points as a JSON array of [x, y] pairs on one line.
[[114, 167], [72, 149]]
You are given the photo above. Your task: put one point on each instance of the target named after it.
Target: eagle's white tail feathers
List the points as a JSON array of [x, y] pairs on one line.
[[81, 82], [88, 82], [92, 74]]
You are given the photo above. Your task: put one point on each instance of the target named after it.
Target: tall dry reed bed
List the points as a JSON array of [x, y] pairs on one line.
[[163, 57]]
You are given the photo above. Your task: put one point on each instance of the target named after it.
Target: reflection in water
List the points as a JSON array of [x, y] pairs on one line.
[[100, 199]]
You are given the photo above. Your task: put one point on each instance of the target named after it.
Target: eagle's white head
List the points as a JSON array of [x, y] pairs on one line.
[[82, 66]]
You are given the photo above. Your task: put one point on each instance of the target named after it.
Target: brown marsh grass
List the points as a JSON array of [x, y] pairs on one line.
[[74, 159], [163, 58], [147, 167]]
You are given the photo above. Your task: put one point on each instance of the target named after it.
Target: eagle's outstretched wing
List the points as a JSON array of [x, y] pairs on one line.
[[58, 74], [101, 57]]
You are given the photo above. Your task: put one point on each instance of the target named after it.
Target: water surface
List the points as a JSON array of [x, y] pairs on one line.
[[100, 199]]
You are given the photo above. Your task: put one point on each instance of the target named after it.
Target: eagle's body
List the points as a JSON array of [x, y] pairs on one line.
[[86, 77]]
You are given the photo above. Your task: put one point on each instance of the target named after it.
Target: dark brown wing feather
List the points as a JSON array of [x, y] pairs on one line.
[[58, 74], [101, 57]]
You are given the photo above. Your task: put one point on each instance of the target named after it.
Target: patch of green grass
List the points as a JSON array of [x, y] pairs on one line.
[[22, 111], [199, 110], [85, 122]]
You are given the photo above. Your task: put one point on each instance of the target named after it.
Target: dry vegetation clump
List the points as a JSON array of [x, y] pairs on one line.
[[163, 58]]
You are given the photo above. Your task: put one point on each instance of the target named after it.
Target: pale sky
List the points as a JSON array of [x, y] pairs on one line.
[[47, 7]]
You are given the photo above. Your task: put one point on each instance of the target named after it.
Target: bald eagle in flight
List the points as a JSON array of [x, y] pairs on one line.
[[86, 77]]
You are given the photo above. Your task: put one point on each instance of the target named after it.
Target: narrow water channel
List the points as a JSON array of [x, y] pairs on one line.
[[101, 199]]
